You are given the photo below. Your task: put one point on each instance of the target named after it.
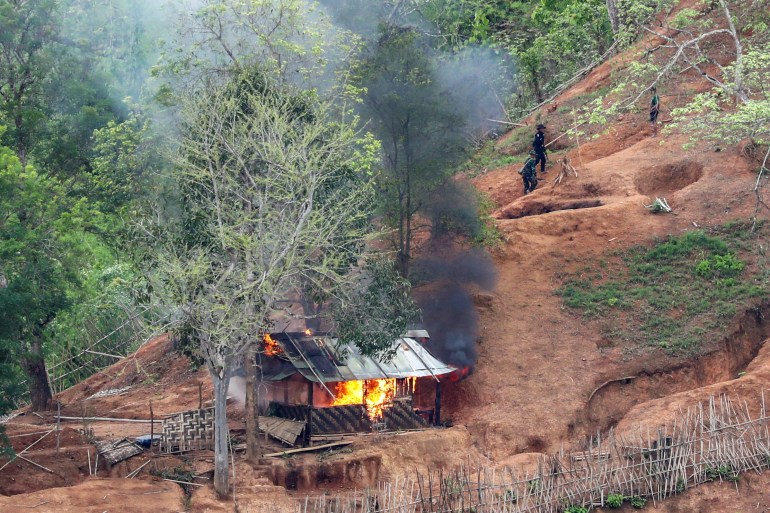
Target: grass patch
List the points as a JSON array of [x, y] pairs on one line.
[[487, 236], [487, 158], [518, 140], [676, 295]]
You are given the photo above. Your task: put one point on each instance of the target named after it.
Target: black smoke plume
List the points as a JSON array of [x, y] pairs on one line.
[[445, 297]]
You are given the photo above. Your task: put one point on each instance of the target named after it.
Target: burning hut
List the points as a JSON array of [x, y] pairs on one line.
[[334, 389]]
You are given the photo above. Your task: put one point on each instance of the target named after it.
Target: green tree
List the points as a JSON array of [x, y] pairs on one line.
[[118, 39], [53, 88], [10, 377], [379, 310], [550, 40], [738, 105], [288, 38], [26, 57], [254, 162], [421, 128], [42, 250]]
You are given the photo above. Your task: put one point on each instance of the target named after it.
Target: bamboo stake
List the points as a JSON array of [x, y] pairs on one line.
[[58, 425], [26, 449], [664, 461], [134, 473], [35, 464], [152, 427]]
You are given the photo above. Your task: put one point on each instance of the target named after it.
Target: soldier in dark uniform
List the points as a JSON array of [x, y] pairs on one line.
[[529, 173], [654, 110], [538, 146]]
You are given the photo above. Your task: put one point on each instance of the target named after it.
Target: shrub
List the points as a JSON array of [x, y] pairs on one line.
[[576, 509], [614, 501], [638, 502], [724, 266], [722, 472]]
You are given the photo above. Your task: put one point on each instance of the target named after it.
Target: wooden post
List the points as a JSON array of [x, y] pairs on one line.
[[253, 449], [152, 426], [309, 421], [58, 425], [200, 396], [437, 407]]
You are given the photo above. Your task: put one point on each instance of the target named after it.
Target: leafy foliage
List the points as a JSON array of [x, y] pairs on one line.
[[43, 248], [673, 295], [549, 40], [722, 473], [421, 128], [379, 312], [710, 113], [614, 500], [274, 195], [288, 38], [283, 206]]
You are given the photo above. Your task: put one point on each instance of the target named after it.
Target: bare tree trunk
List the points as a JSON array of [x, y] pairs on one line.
[[253, 449], [612, 10], [221, 478], [39, 388]]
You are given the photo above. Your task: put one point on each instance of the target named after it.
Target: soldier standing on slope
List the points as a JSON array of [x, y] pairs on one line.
[[654, 110], [538, 146], [529, 173]]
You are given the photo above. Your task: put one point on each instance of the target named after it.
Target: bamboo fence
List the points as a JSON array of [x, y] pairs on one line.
[[716, 440]]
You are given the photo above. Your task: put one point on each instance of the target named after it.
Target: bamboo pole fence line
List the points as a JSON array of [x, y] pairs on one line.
[[91, 359], [715, 440]]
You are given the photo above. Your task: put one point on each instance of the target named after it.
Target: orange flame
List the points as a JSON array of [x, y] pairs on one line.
[[374, 394], [308, 332], [378, 393], [459, 374], [271, 346]]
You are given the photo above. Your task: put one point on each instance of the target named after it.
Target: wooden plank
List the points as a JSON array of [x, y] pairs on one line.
[[116, 451], [285, 430], [108, 419], [310, 449]]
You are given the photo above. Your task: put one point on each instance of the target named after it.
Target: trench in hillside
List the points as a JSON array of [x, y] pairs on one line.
[[667, 178], [355, 472], [611, 401], [538, 208]]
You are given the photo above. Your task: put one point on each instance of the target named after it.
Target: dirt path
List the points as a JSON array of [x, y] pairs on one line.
[[99, 496]]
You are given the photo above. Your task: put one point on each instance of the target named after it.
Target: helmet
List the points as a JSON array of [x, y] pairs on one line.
[[540, 126], [532, 152]]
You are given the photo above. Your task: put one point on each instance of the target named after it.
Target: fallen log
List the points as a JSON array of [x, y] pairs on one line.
[[109, 419], [310, 449]]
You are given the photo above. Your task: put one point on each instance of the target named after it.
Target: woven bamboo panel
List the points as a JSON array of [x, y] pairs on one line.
[[286, 411], [351, 418], [401, 415], [284, 430], [114, 451], [188, 431]]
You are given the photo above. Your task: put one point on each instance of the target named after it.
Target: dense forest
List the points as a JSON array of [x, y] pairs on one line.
[[194, 168]]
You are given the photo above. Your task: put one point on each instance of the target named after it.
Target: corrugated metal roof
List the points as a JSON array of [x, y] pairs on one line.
[[317, 359]]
